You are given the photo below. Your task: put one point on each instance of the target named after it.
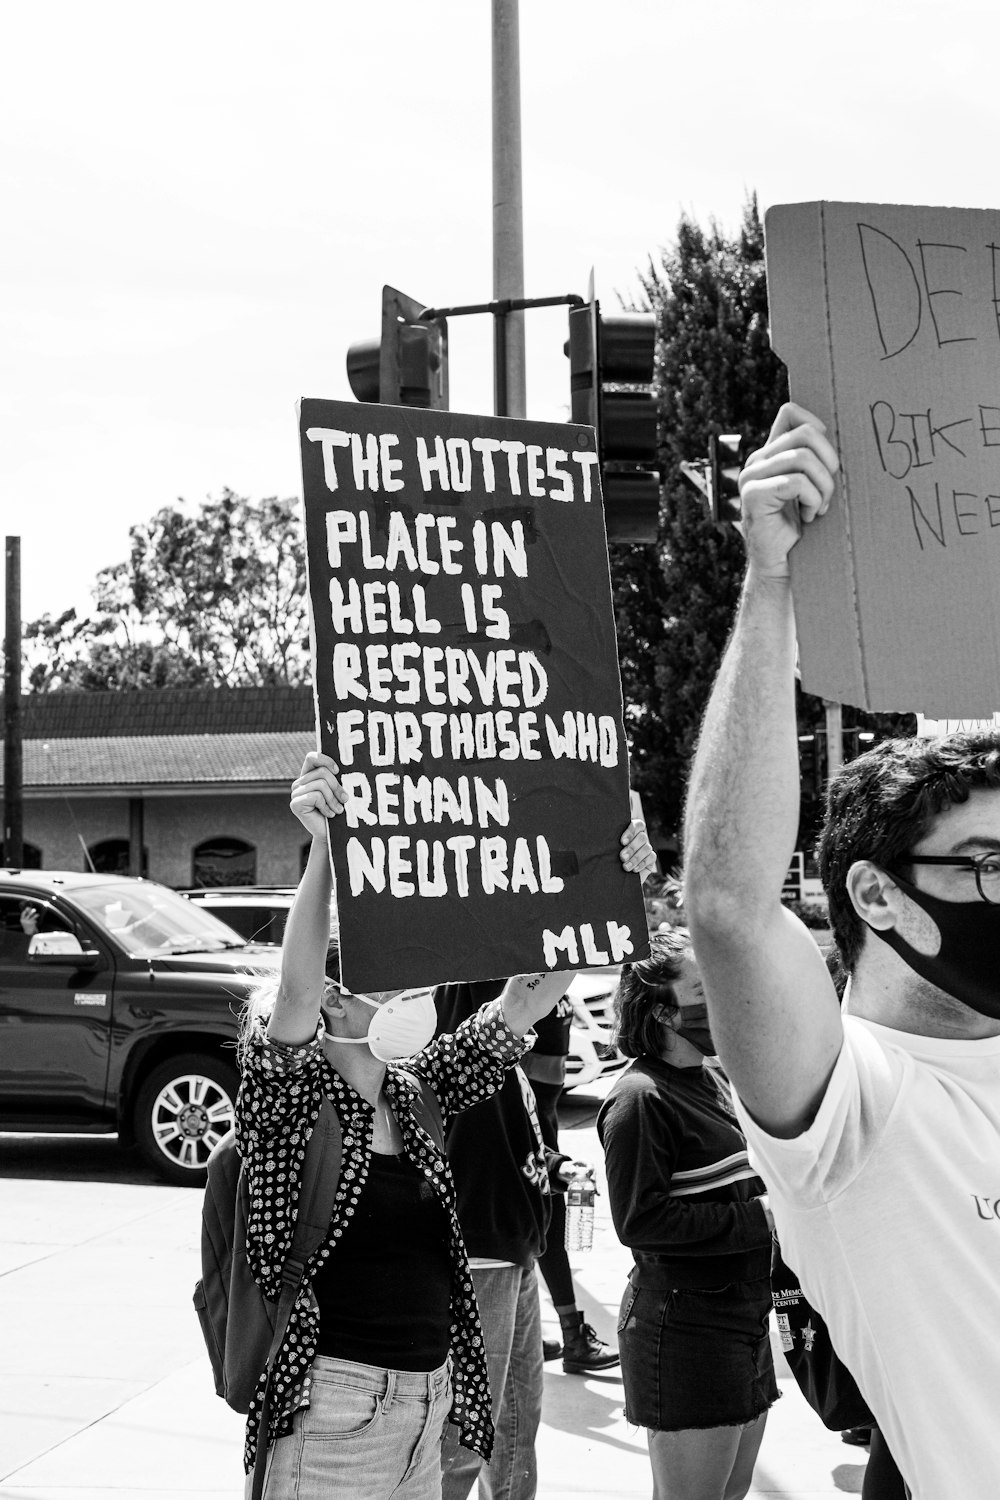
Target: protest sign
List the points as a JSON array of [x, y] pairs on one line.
[[467, 686], [930, 729], [888, 318]]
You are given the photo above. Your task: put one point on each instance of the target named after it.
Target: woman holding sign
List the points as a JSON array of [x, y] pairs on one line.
[[384, 1345]]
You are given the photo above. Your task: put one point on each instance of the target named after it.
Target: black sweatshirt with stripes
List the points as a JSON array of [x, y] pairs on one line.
[[682, 1192]]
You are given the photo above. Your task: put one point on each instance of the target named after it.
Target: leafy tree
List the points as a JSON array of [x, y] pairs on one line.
[[214, 598], [65, 651], [675, 602]]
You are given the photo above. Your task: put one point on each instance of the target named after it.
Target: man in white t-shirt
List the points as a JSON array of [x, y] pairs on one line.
[[876, 1129]]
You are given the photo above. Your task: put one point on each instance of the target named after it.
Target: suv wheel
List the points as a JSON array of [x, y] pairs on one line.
[[183, 1109]]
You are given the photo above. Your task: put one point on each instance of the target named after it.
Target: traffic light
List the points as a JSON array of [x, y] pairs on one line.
[[606, 354], [408, 364], [726, 454]]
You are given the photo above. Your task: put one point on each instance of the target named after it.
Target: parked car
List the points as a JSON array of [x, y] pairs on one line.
[[118, 1012], [259, 913], [592, 1055]]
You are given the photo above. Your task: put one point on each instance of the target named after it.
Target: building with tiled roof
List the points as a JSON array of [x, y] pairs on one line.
[[196, 778]]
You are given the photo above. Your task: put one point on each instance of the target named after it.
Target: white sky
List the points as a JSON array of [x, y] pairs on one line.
[[201, 201]]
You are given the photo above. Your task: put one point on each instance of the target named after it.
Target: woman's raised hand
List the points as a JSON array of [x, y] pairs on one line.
[[317, 795]]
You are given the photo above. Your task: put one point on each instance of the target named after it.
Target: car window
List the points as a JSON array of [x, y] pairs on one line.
[[258, 924], [21, 919], [149, 920]]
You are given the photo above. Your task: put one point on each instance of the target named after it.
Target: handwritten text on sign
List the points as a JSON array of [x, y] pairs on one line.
[[888, 318], [468, 688], [928, 296]]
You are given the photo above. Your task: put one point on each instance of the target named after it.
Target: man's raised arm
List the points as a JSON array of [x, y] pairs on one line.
[[772, 1005]]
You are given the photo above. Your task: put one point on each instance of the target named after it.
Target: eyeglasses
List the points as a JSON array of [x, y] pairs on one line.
[[986, 866]]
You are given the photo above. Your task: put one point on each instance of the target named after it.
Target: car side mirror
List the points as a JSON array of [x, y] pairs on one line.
[[62, 949], [87, 958]]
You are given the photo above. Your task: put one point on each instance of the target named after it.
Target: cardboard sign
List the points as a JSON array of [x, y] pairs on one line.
[[888, 318], [931, 729], [467, 686]]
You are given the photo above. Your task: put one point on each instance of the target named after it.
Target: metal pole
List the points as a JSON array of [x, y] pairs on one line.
[[136, 835], [13, 765], [508, 227], [500, 405], [834, 737]]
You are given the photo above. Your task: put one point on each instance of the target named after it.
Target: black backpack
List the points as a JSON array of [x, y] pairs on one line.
[[242, 1329], [820, 1373]]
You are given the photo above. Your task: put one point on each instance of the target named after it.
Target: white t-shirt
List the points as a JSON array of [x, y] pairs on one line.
[[888, 1209]]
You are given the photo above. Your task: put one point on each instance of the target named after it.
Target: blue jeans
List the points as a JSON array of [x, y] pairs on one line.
[[512, 1329], [367, 1434]]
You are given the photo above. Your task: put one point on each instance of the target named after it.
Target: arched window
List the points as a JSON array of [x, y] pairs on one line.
[[224, 861], [110, 857], [32, 856]]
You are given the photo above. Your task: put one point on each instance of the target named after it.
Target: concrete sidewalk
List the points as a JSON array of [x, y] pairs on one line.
[[105, 1390]]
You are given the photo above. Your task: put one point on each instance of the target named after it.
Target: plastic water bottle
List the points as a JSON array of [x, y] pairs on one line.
[[580, 1195]]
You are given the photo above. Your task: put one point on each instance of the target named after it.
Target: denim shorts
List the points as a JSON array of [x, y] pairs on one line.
[[367, 1433], [696, 1358]]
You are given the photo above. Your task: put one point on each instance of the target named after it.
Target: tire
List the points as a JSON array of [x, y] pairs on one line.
[[183, 1109]]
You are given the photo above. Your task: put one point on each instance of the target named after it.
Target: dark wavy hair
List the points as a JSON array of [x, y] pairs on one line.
[[647, 987], [884, 802]]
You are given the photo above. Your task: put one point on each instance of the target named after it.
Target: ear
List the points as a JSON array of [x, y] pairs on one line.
[[874, 895], [333, 1004]]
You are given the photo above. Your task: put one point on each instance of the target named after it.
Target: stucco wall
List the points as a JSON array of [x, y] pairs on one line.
[[173, 826]]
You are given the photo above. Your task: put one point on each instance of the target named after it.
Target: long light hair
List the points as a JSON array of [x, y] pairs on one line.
[[260, 1001]]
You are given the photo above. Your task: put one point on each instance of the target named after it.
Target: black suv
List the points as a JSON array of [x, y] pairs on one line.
[[118, 1011]]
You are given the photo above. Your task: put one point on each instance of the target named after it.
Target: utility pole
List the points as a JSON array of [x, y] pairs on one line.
[[509, 384], [13, 765]]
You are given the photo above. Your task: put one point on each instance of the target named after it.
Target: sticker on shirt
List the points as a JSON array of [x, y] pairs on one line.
[[98, 1000], [536, 1170], [785, 1331], [536, 1167]]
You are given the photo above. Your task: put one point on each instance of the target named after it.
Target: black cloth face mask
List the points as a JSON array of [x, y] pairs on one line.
[[967, 964], [692, 1025]]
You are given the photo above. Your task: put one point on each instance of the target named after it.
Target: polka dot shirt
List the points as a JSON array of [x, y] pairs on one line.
[[278, 1104]]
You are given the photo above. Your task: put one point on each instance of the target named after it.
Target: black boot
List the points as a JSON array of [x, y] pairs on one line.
[[583, 1351]]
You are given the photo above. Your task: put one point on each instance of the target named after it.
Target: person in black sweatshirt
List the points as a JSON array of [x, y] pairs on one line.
[[693, 1328], [503, 1177]]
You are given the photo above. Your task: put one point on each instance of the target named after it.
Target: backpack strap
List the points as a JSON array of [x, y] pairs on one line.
[[426, 1108], [317, 1191]]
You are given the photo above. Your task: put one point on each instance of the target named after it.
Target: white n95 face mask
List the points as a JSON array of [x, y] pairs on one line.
[[399, 1028]]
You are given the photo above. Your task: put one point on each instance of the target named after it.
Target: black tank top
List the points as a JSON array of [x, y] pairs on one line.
[[384, 1291]]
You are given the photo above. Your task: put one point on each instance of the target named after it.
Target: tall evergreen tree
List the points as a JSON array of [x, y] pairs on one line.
[[674, 603]]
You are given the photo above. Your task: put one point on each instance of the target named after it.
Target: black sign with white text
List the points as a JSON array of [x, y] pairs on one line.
[[467, 686]]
